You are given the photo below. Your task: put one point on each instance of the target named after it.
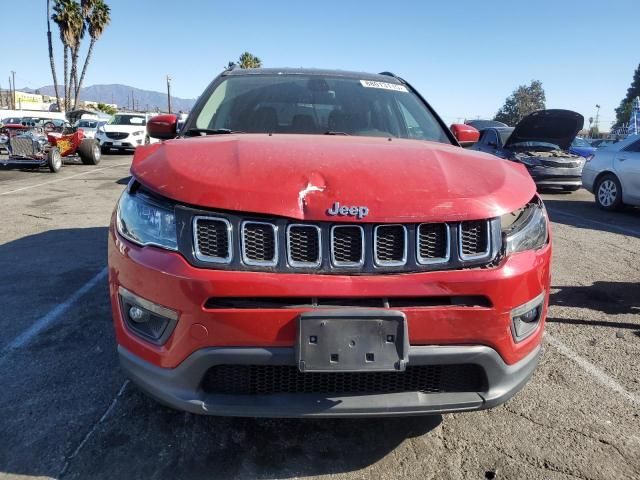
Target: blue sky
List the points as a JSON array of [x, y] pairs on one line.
[[464, 56]]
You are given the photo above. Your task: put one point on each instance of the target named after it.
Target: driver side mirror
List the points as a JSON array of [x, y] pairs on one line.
[[163, 127], [465, 134]]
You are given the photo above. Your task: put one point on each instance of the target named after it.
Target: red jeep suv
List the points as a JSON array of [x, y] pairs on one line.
[[317, 243]]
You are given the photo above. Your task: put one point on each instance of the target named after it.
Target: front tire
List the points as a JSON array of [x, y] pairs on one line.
[[89, 152], [54, 160], [608, 192]]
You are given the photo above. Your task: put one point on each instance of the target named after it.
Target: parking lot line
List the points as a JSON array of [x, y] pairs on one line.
[[54, 314], [592, 370], [612, 226], [62, 179]]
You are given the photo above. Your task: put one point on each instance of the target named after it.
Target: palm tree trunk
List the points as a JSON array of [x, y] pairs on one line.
[[73, 87], [84, 67], [51, 61], [66, 78]]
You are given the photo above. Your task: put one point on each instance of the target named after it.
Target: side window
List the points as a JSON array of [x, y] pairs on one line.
[[634, 147], [490, 138]]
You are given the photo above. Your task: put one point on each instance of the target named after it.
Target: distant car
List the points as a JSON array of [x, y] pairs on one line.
[[125, 131], [482, 124], [612, 174], [541, 142], [11, 121], [581, 147], [90, 127]]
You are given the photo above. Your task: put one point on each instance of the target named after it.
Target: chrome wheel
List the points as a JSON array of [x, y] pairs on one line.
[[607, 193]]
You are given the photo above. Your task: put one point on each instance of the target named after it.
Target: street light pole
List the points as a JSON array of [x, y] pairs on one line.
[[597, 116], [13, 96], [169, 92]]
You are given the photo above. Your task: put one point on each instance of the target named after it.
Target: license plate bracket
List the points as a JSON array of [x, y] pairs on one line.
[[352, 341]]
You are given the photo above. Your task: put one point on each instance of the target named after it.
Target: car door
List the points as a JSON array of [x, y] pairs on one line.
[[627, 166]]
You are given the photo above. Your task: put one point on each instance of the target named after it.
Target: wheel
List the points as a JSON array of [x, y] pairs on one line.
[[54, 160], [571, 188], [608, 192], [89, 152]]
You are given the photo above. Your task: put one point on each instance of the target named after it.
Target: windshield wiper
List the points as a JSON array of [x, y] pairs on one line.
[[331, 132], [212, 131]]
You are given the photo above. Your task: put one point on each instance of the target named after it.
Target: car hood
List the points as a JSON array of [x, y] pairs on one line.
[[559, 127], [302, 176]]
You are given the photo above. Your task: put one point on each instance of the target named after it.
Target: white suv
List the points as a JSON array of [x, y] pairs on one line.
[[125, 131]]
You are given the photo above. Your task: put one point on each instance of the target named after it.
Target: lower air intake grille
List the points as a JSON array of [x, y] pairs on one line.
[[304, 245], [259, 243], [212, 239], [347, 242], [270, 379], [474, 238], [390, 245]]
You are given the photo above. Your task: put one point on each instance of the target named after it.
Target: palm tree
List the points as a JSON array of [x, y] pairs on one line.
[[78, 29], [248, 60], [97, 15], [51, 61], [67, 16]]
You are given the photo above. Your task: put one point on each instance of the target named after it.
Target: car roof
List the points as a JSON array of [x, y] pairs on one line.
[[379, 77]]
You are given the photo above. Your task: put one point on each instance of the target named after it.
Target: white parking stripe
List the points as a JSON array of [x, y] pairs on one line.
[[592, 370], [53, 315], [64, 178], [586, 221]]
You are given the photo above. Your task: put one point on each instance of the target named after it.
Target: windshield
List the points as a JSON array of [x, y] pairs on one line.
[[580, 142], [313, 104], [505, 133], [87, 124], [127, 120]]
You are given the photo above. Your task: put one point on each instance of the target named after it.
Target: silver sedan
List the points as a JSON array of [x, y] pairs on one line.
[[612, 174]]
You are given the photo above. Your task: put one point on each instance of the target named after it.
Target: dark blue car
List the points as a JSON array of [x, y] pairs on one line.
[[581, 147]]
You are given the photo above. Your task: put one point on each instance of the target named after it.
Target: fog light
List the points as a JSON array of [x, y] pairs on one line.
[[146, 319], [525, 318]]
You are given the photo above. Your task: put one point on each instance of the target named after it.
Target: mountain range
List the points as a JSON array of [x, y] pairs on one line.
[[121, 95]]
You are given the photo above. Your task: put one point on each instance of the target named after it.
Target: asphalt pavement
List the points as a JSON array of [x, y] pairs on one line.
[[66, 410]]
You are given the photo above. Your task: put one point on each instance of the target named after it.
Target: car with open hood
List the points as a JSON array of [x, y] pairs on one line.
[[317, 243], [540, 141]]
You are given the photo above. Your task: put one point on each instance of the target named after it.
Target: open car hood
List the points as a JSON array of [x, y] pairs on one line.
[[559, 127]]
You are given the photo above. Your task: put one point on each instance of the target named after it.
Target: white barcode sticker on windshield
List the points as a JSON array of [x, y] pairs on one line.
[[383, 85]]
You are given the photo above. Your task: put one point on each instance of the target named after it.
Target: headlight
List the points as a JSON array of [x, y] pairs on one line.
[[101, 130], [525, 229], [146, 222], [138, 133]]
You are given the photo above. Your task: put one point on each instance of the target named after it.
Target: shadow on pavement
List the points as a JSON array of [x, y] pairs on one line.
[[586, 215], [607, 297]]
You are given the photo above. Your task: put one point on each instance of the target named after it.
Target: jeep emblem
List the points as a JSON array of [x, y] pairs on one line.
[[342, 210]]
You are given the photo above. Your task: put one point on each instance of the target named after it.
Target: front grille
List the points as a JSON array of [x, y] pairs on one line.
[[22, 146], [433, 243], [273, 379], [347, 242], [259, 243], [212, 239], [117, 135], [229, 241], [474, 239], [390, 245], [303, 243]]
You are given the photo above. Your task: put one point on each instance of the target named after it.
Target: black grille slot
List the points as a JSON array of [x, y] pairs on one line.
[[474, 240], [304, 245], [117, 135], [271, 379], [212, 240], [390, 245], [347, 245], [433, 242], [259, 243]]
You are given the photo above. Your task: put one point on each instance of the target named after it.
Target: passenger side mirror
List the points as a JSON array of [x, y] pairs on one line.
[[163, 127], [465, 134]]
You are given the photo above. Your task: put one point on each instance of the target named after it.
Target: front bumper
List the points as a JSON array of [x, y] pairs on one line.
[[130, 142], [556, 176], [180, 387]]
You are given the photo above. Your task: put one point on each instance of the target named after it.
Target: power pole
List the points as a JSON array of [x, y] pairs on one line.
[[169, 92], [13, 74], [597, 117]]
